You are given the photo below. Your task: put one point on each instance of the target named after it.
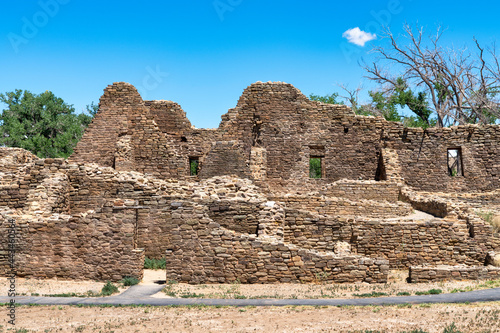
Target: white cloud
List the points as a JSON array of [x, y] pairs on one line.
[[358, 37]]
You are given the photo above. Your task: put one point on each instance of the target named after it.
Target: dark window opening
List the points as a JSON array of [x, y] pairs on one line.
[[315, 167], [194, 166], [470, 227], [455, 167], [257, 124], [346, 130], [184, 139], [380, 173]]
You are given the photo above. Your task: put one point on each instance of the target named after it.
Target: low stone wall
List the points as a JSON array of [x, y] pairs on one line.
[[345, 207], [311, 231], [406, 243], [13, 195], [240, 216], [422, 274], [60, 246], [201, 251], [364, 189], [431, 204], [402, 242]]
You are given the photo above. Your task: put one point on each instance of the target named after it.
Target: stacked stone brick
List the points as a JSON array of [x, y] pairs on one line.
[[252, 212], [447, 273]]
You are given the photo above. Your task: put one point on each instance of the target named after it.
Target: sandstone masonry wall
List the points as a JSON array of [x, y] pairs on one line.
[[201, 251], [422, 155], [423, 274], [339, 206], [60, 246], [402, 242], [273, 132]]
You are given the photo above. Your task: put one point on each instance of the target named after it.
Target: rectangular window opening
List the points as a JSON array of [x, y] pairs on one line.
[[455, 166], [194, 166], [315, 167]]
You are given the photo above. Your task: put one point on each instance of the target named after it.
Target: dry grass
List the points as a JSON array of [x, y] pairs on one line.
[[482, 317], [475, 318], [396, 286]]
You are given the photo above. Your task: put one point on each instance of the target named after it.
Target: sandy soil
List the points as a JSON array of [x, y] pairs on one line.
[[482, 317], [428, 318], [34, 287], [396, 286]]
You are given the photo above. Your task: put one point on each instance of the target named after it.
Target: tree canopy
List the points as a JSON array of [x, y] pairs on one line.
[[329, 99], [455, 85], [441, 86], [43, 124]]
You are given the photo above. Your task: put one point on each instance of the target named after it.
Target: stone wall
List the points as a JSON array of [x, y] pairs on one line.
[[68, 228], [226, 155], [227, 227], [402, 242], [423, 274], [14, 165], [339, 206], [272, 133], [422, 155], [240, 216], [368, 190], [201, 251], [438, 242], [61, 246], [151, 137], [169, 117]]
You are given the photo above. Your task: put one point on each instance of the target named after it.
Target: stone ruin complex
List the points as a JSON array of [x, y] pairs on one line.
[[239, 202]]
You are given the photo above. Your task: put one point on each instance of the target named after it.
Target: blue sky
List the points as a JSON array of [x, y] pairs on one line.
[[203, 54]]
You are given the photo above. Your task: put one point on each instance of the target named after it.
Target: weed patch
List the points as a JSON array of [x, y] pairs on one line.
[[155, 263]]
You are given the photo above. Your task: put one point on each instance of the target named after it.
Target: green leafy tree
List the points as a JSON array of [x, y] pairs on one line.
[[92, 110], [43, 124], [416, 102], [388, 105], [329, 99], [382, 105], [315, 167]]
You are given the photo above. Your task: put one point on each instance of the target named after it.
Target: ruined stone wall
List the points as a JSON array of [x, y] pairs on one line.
[[14, 165], [146, 200], [426, 274], [368, 190], [272, 133], [201, 251], [151, 137], [110, 123], [279, 119], [68, 227], [402, 242], [169, 117], [240, 216], [406, 243], [334, 206], [89, 248], [226, 158], [422, 155]]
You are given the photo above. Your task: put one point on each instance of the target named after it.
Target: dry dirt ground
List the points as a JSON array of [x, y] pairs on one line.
[[482, 317], [417, 318]]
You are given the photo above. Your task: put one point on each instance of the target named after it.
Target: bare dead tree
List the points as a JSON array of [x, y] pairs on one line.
[[460, 87], [352, 95]]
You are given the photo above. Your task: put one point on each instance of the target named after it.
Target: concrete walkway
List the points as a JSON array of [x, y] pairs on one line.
[[140, 295]]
